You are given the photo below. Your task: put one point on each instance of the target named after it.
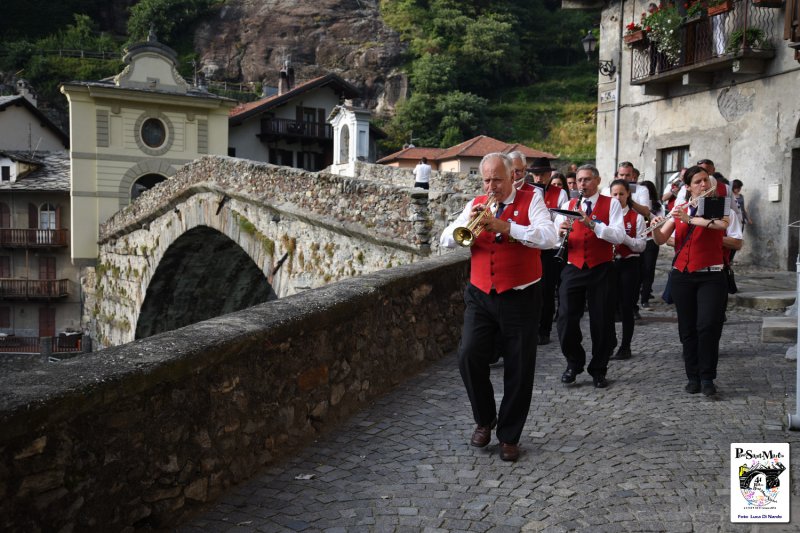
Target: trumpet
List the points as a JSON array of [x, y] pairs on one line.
[[691, 203], [563, 247], [466, 235]]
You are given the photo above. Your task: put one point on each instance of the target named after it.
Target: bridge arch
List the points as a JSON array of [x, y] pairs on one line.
[[203, 274]]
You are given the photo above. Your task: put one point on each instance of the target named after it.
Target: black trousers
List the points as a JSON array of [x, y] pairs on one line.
[[502, 320], [551, 273], [422, 185], [700, 300], [648, 271], [625, 291], [578, 285]]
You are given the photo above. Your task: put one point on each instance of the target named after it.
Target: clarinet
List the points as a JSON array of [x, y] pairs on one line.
[[563, 247]]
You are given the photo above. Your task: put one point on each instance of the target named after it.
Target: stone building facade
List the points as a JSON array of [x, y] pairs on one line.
[[713, 96]]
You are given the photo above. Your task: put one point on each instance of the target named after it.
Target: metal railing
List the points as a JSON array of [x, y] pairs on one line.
[[33, 288], [33, 238], [33, 345], [745, 27], [288, 128]]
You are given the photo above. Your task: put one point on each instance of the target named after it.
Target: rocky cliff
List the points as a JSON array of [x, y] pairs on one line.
[[249, 39]]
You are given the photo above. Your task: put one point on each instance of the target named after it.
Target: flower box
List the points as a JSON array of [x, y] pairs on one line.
[[723, 7], [636, 39]]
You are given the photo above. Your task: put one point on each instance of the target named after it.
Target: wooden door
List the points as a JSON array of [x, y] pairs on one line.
[[47, 322]]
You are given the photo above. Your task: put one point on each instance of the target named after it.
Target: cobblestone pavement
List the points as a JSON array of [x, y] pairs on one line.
[[641, 455]]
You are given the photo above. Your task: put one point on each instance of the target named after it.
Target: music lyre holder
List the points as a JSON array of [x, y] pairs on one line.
[[794, 419]]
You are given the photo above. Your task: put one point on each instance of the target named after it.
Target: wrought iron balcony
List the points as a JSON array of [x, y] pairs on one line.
[[740, 39], [33, 289], [274, 128], [33, 238]]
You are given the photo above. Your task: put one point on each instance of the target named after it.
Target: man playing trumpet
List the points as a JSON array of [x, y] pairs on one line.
[[503, 301]]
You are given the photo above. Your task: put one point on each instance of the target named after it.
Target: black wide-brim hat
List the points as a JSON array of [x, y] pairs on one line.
[[540, 164]]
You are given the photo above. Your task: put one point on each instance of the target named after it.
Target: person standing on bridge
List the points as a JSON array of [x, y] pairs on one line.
[[503, 301], [422, 174]]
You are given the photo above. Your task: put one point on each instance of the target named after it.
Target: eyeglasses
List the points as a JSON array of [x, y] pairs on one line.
[[519, 171]]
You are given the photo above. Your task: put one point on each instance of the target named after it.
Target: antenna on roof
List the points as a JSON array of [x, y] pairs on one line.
[[33, 153]]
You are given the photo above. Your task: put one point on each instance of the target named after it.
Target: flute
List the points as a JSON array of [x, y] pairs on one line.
[[691, 203]]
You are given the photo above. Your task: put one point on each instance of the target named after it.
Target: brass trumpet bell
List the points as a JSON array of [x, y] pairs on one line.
[[466, 235]]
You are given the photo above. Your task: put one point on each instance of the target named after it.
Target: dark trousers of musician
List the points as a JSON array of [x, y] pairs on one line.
[[500, 320], [578, 285], [626, 289], [700, 300], [551, 273], [648, 270]]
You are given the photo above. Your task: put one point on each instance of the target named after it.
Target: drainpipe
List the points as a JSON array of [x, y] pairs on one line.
[[618, 85]]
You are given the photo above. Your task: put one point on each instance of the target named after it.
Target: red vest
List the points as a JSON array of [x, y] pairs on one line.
[[526, 187], [704, 247], [629, 220], [551, 196], [584, 246], [505, 265]]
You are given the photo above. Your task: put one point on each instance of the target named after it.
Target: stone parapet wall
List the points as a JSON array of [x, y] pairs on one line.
[[456, 182], [387, 210], [140, 435]]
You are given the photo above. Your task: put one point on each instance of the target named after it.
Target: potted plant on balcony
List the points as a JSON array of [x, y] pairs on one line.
[[663, 25], [635, 35], [695, 10], [715, 7], [746, 39]]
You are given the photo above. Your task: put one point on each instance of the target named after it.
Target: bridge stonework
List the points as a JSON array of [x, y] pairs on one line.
[[224, 234]]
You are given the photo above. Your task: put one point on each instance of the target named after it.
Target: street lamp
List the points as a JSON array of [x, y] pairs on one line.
[[589, 43]]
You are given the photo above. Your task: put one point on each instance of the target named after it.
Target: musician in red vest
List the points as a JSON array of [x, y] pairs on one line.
[[698, 285], [502, 300], [587, 274], [551, 268], [519, 163]]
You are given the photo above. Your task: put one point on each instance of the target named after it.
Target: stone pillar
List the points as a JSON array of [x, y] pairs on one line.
[[421, 219], [86, 343], [46, 348]]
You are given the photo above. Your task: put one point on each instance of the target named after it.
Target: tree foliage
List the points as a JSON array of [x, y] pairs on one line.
[[466, 52], [172, 20]]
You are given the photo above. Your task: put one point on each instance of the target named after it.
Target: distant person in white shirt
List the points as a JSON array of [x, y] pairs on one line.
[[422, 174]]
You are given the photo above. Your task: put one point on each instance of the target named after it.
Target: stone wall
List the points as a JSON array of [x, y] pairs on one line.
[[142, 434], [403, 177]]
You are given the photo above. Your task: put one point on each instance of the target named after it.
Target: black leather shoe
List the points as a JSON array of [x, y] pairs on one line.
[[600, 382], [645, 305], [693, 387], [569, 375], [509, 452], [636, 315], [483, 435], [544, 338], [624, 352], [708, 389]]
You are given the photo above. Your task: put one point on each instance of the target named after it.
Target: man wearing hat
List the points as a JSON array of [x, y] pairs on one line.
[[554, 196]]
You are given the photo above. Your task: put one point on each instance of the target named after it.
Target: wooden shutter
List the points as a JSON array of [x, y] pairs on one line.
[[47, 322], [791, 30], [5, 266], [47, 267], [5, 317], [58, 217], [5, 216], [298, 114], [33, 216]]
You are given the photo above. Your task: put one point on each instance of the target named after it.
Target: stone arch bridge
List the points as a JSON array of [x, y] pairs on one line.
[[224, 234]]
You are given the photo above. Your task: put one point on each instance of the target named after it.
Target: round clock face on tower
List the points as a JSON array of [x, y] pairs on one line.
[[153, 133]]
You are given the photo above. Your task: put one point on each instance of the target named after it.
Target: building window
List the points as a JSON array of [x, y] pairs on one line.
[[473, 171], [145, 183], [5, 317], [5, 216], [6, 171], [153, 132], [47, 216], [5, 266], [672, 160]]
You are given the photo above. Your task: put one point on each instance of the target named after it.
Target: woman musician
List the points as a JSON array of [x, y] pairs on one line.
[[698, 284], [625, 273]]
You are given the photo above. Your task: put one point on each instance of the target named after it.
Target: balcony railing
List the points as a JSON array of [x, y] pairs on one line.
[[33, 288], [712, 43], [282, 127], [33, 345], [33, 238]]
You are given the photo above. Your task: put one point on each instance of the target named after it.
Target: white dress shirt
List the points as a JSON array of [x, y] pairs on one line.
[[540, 233], [636, 244], [613, 232]]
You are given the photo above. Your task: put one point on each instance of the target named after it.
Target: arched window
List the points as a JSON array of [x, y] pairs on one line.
[[146, 182], [47, 216], [344, 145]]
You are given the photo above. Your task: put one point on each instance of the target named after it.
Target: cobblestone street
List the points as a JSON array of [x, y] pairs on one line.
[[641, 455]]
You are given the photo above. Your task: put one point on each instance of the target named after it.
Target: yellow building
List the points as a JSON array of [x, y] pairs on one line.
[[132, 132]]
